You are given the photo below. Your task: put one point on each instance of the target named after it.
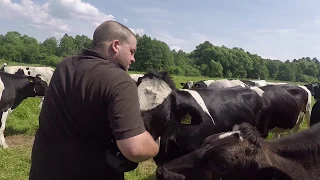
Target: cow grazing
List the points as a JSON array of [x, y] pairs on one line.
[[163, 107], [44, 72], [14, 88], [248, 82], [199, 84], [187, 85], [224, 83], [284, 108], [243, 154], [213, 84]]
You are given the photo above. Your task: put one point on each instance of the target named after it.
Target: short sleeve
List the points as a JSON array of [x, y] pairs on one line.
[[124, 111]]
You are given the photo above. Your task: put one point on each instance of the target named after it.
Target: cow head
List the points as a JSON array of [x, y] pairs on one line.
[[37, 86], [159, 103], [239, 154], [187, 85]]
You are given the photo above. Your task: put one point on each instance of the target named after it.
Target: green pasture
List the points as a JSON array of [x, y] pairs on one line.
[[21, 126]]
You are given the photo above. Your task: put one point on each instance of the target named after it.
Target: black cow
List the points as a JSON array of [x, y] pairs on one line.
[[312, 87], [315, 113], [163, 107], [14, 88], [243, 154], [284, 108]]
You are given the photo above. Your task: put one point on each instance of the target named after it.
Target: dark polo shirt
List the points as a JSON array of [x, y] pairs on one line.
[[90, 101]]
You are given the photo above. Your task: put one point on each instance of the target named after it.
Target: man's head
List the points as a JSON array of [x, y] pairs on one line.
[[115, 40]]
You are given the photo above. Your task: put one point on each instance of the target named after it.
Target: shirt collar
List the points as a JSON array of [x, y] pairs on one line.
[[91, 52]]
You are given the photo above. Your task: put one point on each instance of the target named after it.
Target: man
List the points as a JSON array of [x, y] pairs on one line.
[[91, 100]]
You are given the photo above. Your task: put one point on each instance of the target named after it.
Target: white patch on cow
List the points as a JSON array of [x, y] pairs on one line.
[[308, 105], [3, 125], [258, 90], [227, 134], [200, 101], [208, 82], [152, 92]]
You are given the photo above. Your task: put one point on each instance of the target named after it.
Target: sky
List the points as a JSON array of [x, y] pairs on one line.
[[275, 29]]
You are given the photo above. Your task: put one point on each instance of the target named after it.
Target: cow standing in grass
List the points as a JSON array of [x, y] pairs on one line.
[[45, 73], [207, 111], [14, 88]]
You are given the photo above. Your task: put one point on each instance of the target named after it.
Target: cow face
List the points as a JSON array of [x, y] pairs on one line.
[[159, 103], [238, 154], [38, 86]]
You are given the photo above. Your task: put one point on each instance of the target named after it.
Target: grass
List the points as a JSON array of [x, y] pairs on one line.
[[21, 126]]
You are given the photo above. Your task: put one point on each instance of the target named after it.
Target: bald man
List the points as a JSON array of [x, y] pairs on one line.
[[90, 122]]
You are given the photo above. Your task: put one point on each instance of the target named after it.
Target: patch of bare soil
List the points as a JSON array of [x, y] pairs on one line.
[[19, 141]]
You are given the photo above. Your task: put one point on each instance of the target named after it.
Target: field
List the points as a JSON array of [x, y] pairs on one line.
[[21, 126]]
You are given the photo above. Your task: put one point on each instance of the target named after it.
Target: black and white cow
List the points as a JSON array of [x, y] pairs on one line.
[[243, 154], [224, 83], [199, 84], [284, 108], [163, 107], [45, 73], [213, 84], [14, 88]]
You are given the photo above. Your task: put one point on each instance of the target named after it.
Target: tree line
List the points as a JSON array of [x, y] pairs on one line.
[[205, 60]]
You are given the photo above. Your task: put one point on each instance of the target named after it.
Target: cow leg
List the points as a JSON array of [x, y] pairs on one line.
[[307, 117], [41, 102], [296, 128], [2, 128]]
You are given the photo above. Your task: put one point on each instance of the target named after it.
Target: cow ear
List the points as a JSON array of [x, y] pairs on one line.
[[272, 173], [182, 84]]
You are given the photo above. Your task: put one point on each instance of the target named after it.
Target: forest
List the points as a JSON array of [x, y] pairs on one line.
[[207, 59]]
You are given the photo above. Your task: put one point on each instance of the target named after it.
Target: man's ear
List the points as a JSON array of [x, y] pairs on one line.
[[115, 45]]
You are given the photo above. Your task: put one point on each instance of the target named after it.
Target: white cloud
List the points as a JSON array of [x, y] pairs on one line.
[[140, 31], [177, 48], [29, 11], [76, 9], [57, 17]]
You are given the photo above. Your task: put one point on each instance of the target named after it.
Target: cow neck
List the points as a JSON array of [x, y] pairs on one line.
[[97, 54], [20, 95]]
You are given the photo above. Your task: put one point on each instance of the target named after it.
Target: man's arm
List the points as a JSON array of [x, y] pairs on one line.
[[132, 139], [138, 148]]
